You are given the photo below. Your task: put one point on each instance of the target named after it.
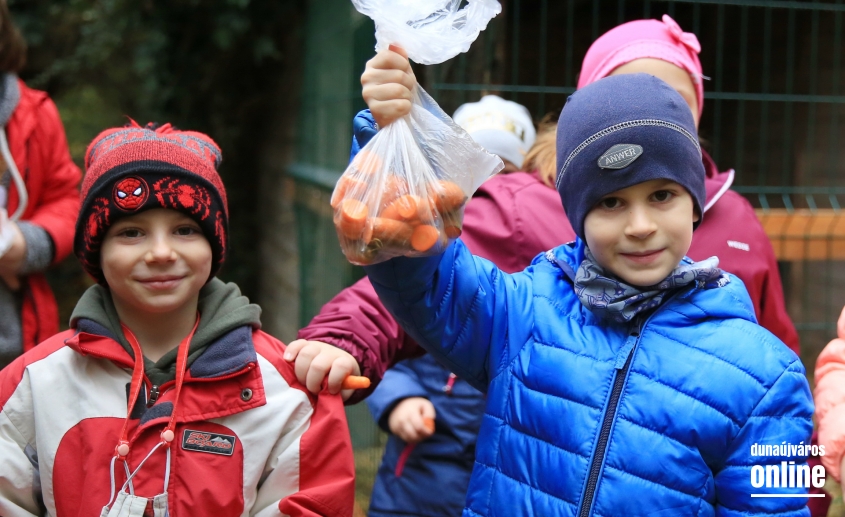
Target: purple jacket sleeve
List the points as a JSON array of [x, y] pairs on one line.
[[356, 321], [509, 221]]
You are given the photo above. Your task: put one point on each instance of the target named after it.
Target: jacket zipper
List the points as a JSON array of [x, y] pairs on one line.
[[154, 393], [607, 424]]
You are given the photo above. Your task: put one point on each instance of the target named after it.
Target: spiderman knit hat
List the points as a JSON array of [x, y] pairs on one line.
[[131, 169]]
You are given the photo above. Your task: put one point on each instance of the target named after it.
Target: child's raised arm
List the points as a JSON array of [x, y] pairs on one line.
[[461, 308]]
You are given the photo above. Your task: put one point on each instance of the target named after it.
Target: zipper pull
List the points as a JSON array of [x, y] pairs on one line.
[[447, 389], [154, 393], [625, 351]]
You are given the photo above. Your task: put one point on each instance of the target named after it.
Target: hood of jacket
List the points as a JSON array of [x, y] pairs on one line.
[[221, 305]]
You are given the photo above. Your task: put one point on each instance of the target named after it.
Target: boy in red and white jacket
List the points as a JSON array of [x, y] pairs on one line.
[[165, 397]]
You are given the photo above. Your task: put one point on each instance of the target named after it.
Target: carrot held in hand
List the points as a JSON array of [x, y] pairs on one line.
[[355, 382], [429, 424]]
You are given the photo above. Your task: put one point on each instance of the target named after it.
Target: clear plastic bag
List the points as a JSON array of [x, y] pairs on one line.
[[405, 191], [431, 31]]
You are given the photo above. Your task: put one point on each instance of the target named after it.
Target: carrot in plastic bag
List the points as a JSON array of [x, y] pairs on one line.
[[345, 186], [452, 224], [388, 232], [404, 194], [424, 237], [447, 196], [352, 218], [402, 208], [368, 162]]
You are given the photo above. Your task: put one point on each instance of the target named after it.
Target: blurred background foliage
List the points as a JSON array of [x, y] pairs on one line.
[[216, 66]]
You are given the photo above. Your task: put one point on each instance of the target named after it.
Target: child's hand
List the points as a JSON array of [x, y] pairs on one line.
[[316, 360], [411, 419], [387, 85]]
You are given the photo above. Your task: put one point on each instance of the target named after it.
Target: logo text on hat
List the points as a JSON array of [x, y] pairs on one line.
[[620, 156]]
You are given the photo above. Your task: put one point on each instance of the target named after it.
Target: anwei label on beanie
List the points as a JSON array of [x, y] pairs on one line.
[[620, 156]]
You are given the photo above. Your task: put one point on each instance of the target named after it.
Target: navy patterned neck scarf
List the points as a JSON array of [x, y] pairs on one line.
[[611, 298]]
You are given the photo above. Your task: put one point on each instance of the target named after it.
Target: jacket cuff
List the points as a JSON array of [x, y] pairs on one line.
[[39, 248]]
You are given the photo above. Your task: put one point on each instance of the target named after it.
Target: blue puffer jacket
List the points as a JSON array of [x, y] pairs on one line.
[[588, 418], [408, 472]]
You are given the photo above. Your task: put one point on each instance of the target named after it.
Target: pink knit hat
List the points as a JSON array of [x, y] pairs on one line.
[[664, 40]]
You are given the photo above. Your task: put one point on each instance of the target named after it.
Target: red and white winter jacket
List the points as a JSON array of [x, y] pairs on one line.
[[250, 440]]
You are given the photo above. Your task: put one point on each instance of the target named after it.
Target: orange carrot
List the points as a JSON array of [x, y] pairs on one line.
[[424, 237], [387, 231], [355, 382], [346, 185], [453, 232], [404, 207], [394, 187], [352, 218], [447, 196], [368, 162], [429, 424], [452, 224]]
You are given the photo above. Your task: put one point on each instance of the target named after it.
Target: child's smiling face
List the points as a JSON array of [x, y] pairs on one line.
[[155, 261], [641, 233]]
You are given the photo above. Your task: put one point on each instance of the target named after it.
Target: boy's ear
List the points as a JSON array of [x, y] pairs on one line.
[[695, 216]]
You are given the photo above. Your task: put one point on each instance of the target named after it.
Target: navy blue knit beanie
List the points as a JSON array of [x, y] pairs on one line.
[[621, 131]]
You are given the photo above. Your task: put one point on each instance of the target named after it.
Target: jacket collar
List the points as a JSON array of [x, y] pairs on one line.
[[224, 380], [224, 356]]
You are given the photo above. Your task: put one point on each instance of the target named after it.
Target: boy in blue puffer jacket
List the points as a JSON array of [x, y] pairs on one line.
[[622, 378]]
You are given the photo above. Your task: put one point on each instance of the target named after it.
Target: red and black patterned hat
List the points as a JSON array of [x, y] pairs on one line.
[[133, 168]]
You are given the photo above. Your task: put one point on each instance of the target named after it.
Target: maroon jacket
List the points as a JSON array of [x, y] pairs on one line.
[[512, 218]]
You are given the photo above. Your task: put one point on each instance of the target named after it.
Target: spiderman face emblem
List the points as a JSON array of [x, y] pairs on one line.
[[131, 193]]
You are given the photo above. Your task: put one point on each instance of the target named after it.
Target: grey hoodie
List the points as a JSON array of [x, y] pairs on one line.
[[221, 306]]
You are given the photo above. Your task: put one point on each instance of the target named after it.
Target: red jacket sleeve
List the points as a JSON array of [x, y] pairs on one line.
[[326, 465], [58, 205]]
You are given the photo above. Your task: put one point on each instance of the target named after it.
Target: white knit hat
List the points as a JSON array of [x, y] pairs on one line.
[[501, 127]]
